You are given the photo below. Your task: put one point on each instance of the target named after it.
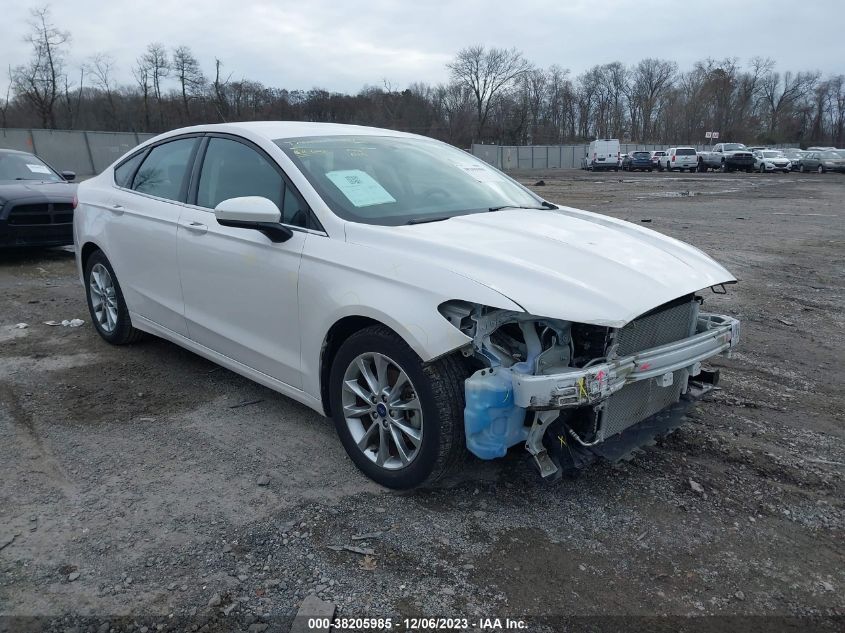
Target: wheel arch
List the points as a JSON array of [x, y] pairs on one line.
[[339, 332], [88, 249]]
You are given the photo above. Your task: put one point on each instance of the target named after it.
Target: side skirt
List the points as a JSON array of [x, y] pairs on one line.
[[261, 378]]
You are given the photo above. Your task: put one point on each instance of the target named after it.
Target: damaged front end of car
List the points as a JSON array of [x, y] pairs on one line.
[[574, 392]]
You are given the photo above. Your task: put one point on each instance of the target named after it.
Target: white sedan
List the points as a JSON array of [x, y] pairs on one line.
[[425, 301]]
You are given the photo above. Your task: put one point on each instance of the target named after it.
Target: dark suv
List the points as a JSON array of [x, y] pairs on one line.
[[637, 160]]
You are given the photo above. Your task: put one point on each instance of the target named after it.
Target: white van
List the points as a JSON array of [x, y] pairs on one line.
[[603, 154]]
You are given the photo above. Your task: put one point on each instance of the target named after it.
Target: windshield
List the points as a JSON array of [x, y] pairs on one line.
[[730, 147], [396, 180], [772, 154], [15, 166]]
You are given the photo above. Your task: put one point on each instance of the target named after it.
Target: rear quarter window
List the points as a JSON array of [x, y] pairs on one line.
[[123, 173]]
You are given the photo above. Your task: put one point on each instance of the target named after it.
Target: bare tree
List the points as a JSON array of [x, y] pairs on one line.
[[102, 67], [39, 82], [487, 73], [141, 71], [189, 75], [221, 103], [4, 108], [652, 78], [72, 97], [157, 63], [781, 93]]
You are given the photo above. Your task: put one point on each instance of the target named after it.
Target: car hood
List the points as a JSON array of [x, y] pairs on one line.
[[566, 264], [27, 189]]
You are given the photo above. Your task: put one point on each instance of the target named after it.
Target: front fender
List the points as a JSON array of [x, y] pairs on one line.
[[339, 279]]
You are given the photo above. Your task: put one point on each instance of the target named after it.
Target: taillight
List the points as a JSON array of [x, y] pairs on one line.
[[673, 159], [594, 154], [75, 202]]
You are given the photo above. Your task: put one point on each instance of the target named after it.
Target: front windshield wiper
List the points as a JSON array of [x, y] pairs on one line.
[[543, 205], [423, 220], [515, 206]]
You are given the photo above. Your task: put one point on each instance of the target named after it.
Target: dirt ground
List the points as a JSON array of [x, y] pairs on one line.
[[129, 477]]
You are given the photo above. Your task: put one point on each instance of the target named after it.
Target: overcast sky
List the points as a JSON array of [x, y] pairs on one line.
[[344, 45]]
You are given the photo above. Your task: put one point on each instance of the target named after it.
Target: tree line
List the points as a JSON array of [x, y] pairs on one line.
[[492, 95]]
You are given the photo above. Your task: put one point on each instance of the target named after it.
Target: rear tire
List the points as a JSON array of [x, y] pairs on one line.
[[437, 388], [106, 304]]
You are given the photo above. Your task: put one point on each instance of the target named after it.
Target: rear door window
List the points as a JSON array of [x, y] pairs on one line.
[[165, 169]]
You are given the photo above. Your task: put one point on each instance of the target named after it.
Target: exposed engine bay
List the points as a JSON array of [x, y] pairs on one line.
[[564, 388]]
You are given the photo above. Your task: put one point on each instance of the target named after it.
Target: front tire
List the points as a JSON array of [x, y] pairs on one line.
[[106, 304], [820, 169], [399, 419]]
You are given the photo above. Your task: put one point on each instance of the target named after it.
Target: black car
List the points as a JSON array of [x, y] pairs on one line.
[[637, 160], [36, 202]]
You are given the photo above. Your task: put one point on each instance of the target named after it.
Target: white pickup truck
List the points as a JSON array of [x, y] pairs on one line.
[[727, 157]]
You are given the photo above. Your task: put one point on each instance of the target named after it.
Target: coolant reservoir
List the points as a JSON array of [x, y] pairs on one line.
[[492, 422]]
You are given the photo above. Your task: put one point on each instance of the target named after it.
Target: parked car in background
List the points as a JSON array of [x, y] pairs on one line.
[[794, 155], [727, 157], [424, 300], [637, 161], [757, 148], [36, 202], [767, 160], [820, 149], [655, 157], [603, 154], [822, 162], [680, 158]]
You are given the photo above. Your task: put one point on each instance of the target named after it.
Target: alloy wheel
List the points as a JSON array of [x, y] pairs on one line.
[[103, 300], [382, 410]]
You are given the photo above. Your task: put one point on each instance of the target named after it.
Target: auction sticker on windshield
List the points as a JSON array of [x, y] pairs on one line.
[[38, 169], [359, 187], [479, 172]]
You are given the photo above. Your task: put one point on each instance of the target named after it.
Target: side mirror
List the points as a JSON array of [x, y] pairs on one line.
[[253, 212], [69, 175]]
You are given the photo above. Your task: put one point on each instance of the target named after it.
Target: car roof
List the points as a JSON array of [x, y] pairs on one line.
[[279, 130]]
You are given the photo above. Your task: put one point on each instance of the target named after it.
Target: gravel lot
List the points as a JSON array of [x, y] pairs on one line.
[[131, 478]]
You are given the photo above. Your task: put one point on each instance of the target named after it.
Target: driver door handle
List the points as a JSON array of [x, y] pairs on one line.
[[195, 227], [117, 209]]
